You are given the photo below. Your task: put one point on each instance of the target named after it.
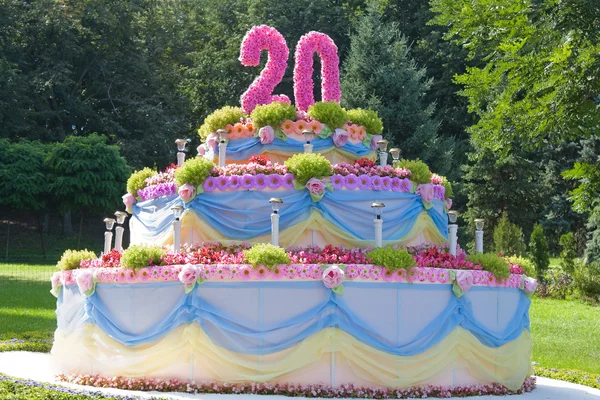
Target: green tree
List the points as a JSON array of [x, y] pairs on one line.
[[87, 175], [379, 74], [538, 249], [496, 184], [508, 238], [24, 180], [568, 253]]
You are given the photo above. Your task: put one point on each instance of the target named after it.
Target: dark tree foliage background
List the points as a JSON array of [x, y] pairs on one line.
[[511, 115]]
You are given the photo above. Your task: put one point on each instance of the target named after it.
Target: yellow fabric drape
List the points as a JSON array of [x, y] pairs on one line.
[[194, 229], [191, 349]]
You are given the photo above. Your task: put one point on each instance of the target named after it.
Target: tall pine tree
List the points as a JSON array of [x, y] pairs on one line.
[[379, 74]]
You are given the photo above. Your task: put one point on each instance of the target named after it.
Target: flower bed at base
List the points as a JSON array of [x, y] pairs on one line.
[[32, 390], [569, 375], [309, 391]]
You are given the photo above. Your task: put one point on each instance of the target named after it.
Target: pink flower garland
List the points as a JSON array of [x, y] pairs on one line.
[[296, 390], [330, 72], [257, 39]]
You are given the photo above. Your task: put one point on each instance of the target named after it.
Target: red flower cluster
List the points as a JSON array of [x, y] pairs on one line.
[[259, 159], [111, 259], [327, 255], [364, 163], [436, 258]]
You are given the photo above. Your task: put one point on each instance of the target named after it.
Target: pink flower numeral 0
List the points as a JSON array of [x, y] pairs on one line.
[[330, 72], [257, 39]]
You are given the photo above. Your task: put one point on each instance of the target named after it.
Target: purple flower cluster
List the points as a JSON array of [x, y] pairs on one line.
[[158, 190], [249, 182], [367, 182]]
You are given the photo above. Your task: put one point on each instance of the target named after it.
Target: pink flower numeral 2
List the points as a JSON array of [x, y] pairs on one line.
[[330, 72], [257, 39]]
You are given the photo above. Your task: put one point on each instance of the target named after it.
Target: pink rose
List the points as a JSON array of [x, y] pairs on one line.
[[85, 280], [464, 280], [129, 200], [186, 192], [266, 134], [340, 137], [426, 192], [529, 285], [212, 141], [374, 140], [316, 186], [188, 275], [201, 150], [448, 204], [333, 277]]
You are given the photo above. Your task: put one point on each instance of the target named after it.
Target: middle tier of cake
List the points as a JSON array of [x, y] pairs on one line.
[[340, 218]]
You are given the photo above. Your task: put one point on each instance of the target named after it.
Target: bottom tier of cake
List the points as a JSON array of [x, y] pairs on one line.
[[375, 334]]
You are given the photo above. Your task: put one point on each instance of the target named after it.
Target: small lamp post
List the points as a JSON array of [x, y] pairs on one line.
[[120, 216], [181, 143], [177, 211], [382, 144], [378, 223], [395, 152], [308, 136], [275, 205], [108, 235], [453, 231], [479, 235], [222, 147]]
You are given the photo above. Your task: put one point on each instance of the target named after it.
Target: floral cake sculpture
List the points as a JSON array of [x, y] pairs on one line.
[[291, 279]]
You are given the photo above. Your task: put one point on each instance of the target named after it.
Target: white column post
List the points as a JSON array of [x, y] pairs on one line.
[[378, 224], [308, 148], [222, 153], [119, 238], [108, 235], [180, 158], [177, 236], [383, 158], [479, 241], [453, 233], [275, 229]]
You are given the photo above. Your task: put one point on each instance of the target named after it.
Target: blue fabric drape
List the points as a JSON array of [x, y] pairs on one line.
[[255, 335], [243, 215], [242, 149]]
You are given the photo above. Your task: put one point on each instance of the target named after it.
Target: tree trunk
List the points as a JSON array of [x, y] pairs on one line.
[[80, 229], [41, 232], [67, 224], [45, 222], [7, 237]]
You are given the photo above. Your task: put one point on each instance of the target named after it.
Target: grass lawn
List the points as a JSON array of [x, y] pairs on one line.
[[26, 305], [566, 334]]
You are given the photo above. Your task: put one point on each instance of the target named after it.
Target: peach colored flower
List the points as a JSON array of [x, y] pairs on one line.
[[300, 126], [240, 130], [250, 128], [288, 127], [315, 126], [229, 128], [353, 131], [362, 132], [347, 126]]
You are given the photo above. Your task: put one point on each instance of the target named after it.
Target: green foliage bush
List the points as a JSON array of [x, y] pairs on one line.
[[539, 252], [568, 252], [524, 263], [15, 388], [273, 114], [219, 119], [305, 166], [391, 258], [447, 186], [367, 118], [419, 171], [329, 113], [137, 180], [569, 375], [586, 280], [71, 258], [266, 254], [508, 238], [141, 256], [194, 171], [492, 263], [556, 286]]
